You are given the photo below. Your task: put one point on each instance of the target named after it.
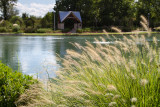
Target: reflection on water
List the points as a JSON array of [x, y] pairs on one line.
[[37, 55]]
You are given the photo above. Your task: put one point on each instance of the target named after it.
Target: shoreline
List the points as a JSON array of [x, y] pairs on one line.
[[72, 34]]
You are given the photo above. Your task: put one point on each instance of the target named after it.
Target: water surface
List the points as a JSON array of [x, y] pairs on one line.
[[36, 55]]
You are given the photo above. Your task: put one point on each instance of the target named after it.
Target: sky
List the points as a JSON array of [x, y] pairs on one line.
[[35, 7]]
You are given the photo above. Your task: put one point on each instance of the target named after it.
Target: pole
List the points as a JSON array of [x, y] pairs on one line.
[[54, 21], [148, 19], [54, 12]]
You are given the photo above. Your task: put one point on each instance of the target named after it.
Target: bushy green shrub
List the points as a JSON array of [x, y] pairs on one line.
[[6, 24], [66, 30], [79, 30], [16, 28], [58, 31], [43, 30], [12, 85], [30, 30], [87, 30], [3, 30]]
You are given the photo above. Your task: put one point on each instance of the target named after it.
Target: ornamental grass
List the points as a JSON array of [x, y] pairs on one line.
[[125, 73]]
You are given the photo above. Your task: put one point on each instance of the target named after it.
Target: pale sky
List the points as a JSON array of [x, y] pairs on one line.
[[35, 7]]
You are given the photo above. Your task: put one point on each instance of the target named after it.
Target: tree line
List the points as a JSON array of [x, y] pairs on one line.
[[98, 14], [10, 21], [103, 13]]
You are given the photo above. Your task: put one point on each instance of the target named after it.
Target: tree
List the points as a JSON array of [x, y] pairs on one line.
[[16, 20], [47, 20], [150, 9], [25, 16], [7, 8]]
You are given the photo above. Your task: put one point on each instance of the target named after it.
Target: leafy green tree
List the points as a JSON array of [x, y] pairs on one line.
[[47, 20], [150, 9], [16, 20], [7, 8], [25, 16]]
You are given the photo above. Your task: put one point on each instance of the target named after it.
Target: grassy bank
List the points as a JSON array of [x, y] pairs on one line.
[[126, 74], [65, 34], [72, 34]]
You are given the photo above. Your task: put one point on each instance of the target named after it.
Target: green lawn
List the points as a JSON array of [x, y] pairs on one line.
[[63, 34]]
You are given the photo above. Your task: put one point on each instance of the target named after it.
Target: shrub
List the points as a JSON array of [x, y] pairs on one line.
[[79, 30], [66, 30], [3, 30], [87, 30], [30, 30], [43, 30], [16, 28], [58, 31], [5, 24], [12, 85]]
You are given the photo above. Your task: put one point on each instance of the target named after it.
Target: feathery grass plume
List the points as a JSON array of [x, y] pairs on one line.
[[109, 94], [73, 53], [111, 88], [116, 97], [115, 50], [116, 29], [98, 45], [89, 45], [102, 39], [144, 20], [144, 82], [133, 100], [106, 33], [78, 46], [94, 55], [61, 105], [35, 96], [155, 41], [112, 104], [93, 92], [145, 25], [132, 64]]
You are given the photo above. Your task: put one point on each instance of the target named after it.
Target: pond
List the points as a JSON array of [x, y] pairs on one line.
[[37, 55]]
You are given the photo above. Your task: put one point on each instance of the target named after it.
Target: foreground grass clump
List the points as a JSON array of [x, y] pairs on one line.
[[106, 75], [126, 74], [12, 85]]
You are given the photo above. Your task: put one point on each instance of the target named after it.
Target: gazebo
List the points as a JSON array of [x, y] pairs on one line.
[[69, 19]]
